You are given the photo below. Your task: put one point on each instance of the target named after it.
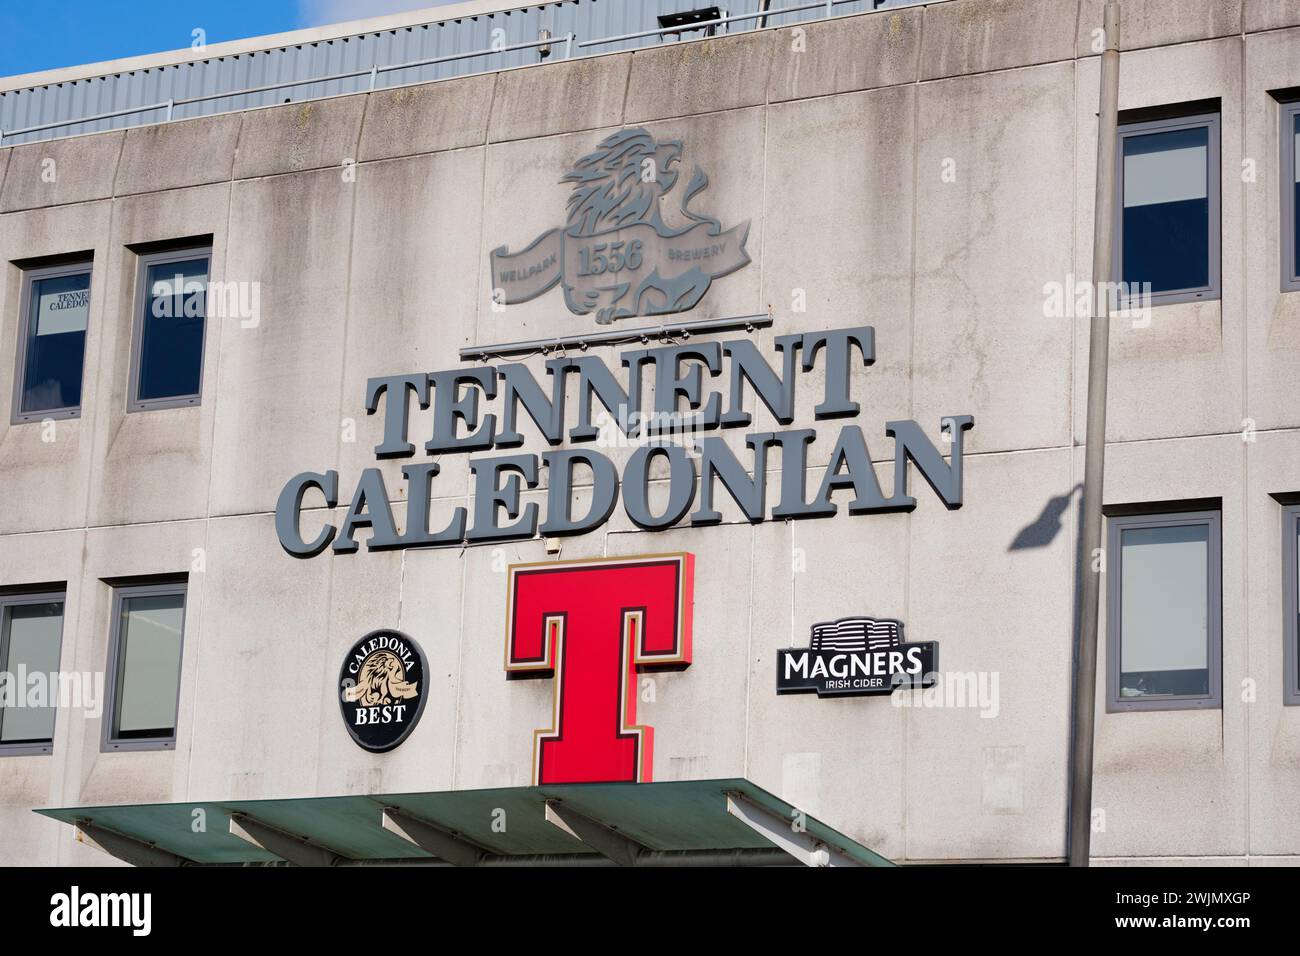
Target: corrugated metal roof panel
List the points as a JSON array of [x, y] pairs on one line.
[[79, 106]]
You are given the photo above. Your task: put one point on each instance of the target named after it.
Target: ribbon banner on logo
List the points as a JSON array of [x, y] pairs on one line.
[[633, 270]]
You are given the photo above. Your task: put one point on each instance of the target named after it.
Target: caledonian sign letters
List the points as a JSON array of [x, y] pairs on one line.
[[460, 424]]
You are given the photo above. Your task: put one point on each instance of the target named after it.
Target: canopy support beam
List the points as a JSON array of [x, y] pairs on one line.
[[286, 846], [608, 843], [125, 848], [432, 838], [800, 844]]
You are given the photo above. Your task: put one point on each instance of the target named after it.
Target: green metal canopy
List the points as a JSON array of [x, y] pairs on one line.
[[701, 822]]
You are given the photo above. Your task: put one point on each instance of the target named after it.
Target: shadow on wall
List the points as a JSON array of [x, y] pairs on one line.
[[1043, 530]]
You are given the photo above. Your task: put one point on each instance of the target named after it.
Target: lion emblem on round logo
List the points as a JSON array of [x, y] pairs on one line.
[[381, 689]]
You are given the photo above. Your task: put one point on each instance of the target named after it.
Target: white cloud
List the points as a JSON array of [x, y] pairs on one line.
[[315, 13]]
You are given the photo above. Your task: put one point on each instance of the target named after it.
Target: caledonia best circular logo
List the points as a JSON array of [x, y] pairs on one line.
[[382, 689]]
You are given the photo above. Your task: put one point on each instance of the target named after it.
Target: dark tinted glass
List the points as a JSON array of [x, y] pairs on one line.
[[1167, 209], [56, 343], [171, 343]]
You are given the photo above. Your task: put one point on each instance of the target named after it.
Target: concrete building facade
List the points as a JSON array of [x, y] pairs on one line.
[[927, 171]]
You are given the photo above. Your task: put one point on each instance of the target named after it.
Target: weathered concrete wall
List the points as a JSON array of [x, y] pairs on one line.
[[368, 220]]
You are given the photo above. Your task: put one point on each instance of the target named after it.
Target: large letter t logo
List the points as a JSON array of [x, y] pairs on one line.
[[591, 625]]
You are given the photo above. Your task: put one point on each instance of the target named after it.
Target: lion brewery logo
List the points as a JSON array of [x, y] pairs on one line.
[[617, 256], [855, 656], [382, 689]]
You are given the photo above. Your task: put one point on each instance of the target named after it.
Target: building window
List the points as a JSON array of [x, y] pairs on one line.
[[1291, 600], [1164, 594], [167, 344], [31, 636], [144, 667], [1291, 197], [1168, 208], [52, 343]]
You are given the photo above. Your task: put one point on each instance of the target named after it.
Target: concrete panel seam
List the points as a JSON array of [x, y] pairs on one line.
[[1078, 21], [911, 398], [221, 330], [1245, 456], [361, 127], [987, 453], [460, 659], [749, 650], [492, 105], [117, 166], [239, 141], [627, 88]]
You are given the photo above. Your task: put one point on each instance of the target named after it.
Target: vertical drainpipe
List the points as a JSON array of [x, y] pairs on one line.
[[1088, 581]]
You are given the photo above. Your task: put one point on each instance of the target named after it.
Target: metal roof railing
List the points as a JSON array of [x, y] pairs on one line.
[[66, 97], [373, 73]]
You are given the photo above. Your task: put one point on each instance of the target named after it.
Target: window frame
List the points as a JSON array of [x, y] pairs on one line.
[[1290, 608], [30, 276], [1214, 610], [1290, 272], [142, 299], [22, 599], [1213, 177], [108, 742]]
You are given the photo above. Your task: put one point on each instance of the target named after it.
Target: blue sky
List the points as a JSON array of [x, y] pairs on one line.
[[44, 34]]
